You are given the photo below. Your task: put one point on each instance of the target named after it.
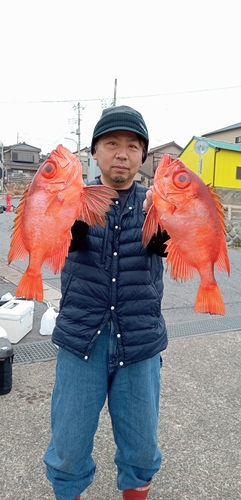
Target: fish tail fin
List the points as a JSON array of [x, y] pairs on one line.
[[209, 300], [30, 286], [95, 202]]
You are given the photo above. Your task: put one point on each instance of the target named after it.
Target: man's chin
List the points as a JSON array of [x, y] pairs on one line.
[[118, 179]]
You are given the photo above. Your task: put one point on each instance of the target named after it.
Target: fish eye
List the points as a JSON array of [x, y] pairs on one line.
[[181, 179], [49, 170]]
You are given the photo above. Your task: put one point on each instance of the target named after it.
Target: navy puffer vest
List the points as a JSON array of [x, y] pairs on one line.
[[112, 277]]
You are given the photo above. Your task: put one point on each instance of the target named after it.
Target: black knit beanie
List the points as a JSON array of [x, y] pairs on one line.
[[121, 118]]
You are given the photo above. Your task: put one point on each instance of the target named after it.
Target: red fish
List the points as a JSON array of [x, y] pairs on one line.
[[55, 198], [192, 215]]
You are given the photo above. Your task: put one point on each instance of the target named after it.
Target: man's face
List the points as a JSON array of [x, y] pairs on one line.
[[119, 156]]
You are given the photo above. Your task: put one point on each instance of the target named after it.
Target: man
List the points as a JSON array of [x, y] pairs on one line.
[[110, 330]]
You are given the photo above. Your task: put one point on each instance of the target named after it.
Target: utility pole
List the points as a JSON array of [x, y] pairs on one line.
[[78, 120], [78, 131], [107, 103], [2, 166], [79, 109], [115, 91]]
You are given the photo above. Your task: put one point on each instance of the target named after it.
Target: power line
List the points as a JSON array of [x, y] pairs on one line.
[[144, 96]]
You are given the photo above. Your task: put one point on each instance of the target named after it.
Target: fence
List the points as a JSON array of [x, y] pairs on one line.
[[232, 212]]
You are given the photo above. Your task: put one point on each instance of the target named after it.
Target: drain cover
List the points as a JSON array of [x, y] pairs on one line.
[[36, 351], [46, 350], [204, 326]]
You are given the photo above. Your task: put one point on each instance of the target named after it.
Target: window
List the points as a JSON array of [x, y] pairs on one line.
[[238, 139], [17, 172], [23, 157], [238, 173]]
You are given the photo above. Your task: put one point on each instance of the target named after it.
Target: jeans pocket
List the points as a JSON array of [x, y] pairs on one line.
[[161, 362]]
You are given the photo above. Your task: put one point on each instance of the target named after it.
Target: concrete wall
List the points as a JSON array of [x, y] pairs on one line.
[[229, 196], [233, 233]]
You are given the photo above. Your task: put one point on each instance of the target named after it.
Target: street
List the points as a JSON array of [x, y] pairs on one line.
[[179, 298]]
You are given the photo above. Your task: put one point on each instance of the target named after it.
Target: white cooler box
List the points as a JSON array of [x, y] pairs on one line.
[[16, 317]]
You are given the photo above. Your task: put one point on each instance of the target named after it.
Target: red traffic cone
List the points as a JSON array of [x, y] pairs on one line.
[[8, 203]]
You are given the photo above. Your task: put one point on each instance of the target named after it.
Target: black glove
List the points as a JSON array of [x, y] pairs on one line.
[[79, 231]]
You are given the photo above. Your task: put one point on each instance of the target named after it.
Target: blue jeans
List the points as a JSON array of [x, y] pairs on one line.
[[79, 395]]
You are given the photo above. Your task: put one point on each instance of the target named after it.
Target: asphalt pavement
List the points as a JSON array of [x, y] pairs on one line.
[[199, 431]]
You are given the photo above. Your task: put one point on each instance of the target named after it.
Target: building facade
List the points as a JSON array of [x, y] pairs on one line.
[[19, 162], [232, 133], [147, 170], [219, 164]]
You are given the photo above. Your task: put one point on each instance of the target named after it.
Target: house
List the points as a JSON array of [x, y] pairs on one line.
[[83, 158], [93, 170], [144, 178], [232, 133], [217, 162], [20, 162], [84, 161], [146, 172]]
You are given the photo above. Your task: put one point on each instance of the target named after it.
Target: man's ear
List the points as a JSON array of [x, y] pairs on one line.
[[94, 152]]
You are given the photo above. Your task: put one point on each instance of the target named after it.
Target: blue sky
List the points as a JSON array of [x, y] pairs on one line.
[[178, 64]]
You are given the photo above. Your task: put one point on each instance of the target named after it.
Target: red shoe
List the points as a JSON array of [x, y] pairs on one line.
[[137, 493], [77, 498]]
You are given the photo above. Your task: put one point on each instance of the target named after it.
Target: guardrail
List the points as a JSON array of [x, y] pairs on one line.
[[232, 211]]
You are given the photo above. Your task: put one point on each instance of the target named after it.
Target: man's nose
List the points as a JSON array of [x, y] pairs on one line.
[[121, 153]]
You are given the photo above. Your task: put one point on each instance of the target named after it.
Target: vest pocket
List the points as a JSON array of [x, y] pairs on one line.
[[65, 289]]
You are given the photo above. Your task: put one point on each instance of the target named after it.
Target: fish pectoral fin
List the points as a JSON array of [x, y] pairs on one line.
[[180, 269], [54, 204], [56, 261], [95, 202], [150, 226]]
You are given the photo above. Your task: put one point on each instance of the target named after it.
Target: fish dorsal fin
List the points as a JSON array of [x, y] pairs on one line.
[[150, 226], [18, 250], [56, 261], [218, 205], [222, 263], [180, 269]]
